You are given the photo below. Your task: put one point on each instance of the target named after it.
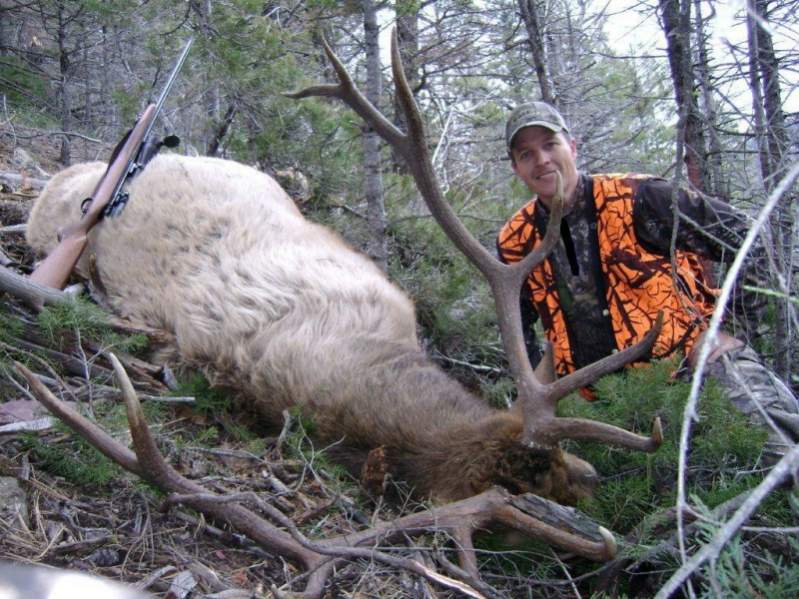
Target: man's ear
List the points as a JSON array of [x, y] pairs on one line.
[[573, 145]]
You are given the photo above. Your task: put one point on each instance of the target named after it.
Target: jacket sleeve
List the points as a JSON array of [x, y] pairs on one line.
[[529, 317], [707, 226]]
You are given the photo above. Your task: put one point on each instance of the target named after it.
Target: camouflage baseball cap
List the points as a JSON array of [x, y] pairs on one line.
[[534, 114]]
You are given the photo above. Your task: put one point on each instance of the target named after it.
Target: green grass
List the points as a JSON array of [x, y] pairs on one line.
[[10, 327], [738, 573], [300, 446], [61, 321], [723, 443], [208, 400], [74, 460]]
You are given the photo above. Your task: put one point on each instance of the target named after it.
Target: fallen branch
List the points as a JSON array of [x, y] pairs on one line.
[[16, 229], [39, 424], [70, 364], [20, 181], [35, 295]]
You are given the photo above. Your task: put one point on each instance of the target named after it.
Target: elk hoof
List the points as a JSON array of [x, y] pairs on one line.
[[374, 472]]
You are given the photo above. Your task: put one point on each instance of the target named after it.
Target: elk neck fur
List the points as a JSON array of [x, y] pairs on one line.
[[286, 313]]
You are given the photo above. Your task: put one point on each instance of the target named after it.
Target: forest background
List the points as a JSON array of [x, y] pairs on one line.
[[701, 92]]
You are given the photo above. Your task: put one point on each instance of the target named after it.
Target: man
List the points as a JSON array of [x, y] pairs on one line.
[[603, 285]]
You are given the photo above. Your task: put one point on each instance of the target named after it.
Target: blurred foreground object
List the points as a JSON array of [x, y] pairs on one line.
[[19, 581]]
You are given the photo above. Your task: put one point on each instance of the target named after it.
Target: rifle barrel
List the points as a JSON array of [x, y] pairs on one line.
[[168, 86]]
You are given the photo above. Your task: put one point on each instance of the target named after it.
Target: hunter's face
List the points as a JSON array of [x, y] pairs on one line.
[[537, 155]]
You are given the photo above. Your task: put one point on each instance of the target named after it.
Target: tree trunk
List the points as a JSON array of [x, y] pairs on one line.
[[773, 146], [676, 22], [373, 177], [716, 184], [216, 124], [87, 122], [222, 129], [110, 115], [65, 156], [535, 36]]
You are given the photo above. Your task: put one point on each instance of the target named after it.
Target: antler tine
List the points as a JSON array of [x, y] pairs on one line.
[[418, 159], [547, 431], [405, 95], [506, 285], [581, 429], [101, 440], [348, 92], [598, 551], [551, 235], [150, 458], [341, 71], [587, 375], [545, 371]]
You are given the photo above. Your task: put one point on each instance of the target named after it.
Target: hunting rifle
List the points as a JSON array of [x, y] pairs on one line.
[[129, 157]]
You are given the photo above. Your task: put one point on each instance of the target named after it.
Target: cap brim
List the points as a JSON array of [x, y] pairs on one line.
[[544, 124]]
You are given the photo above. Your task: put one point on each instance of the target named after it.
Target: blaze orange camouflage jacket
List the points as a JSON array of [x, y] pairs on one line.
[[602, 287]]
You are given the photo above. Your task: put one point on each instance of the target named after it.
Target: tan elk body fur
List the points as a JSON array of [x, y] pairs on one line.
[[285, 312]]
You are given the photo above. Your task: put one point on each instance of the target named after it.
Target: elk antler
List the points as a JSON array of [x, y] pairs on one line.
[[537, 517], [538, 399]]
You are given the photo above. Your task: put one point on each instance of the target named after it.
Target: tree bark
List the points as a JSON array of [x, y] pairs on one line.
[[373, 177], [65, 156], [535, 37], [716, 185], [676, 22], [223, 128], [408, 39]]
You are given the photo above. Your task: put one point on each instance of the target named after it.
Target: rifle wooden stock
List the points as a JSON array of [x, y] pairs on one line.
[[54, 270]]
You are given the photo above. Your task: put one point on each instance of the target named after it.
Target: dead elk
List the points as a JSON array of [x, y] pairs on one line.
[[283, 311]]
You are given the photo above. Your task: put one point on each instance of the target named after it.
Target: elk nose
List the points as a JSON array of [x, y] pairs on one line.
[[590, 478], [581, 472]]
